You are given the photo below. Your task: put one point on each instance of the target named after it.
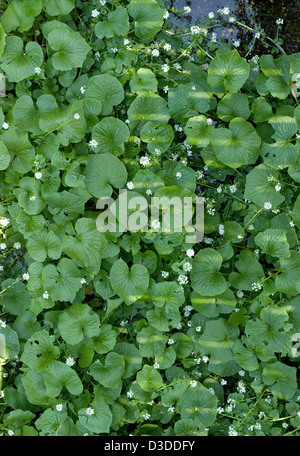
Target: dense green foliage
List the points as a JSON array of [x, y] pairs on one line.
[[141, 333]]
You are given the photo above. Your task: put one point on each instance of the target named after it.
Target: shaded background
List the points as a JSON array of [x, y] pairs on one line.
[[255, 13]]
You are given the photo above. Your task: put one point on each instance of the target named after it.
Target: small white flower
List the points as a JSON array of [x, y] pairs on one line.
[[213, 37], [257, 35], [76, 116], [126, 42], [83, 281], [114, 50], [292, 224], [149, 192], [251, 227], [239, 294], [279, 21], [220, 410], [82, 89], [171, 409], [46, 295], [178, 175], [182, 279], [177, 66], [2, 324], [171, 342], [129, 394], [165, 68], [102, 2], [190, 253], [166, 15], [242, 373], [256, 286], [93, 143], [37, 70], [233, 188], [223, 382], [1, 268], [164, 274], [32, 198], [123, 323], [5, 126], [155, 224], [167, 47], [156, 365], [38, 175], [187, 9], [95, 13], [267, 206], [205, 359], [144, 161], [211, 15], [4, 222], [89, 411], [17, 245], [10, 432], [198, 329], [130, 185], [146, 415], [278, 187], [187, 267], [193, 383], [231, 19], [236, 43], [195, 29], [70, 361], [221, 230], [285, 425], [241, 387], [59, 407], [155, 52], [3, 246]]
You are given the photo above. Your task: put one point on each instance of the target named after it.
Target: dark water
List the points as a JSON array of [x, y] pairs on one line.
[[255, 13]]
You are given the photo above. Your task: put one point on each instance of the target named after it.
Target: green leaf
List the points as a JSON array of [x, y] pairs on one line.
[[39, 351], [110, 373], [19, 63], [149, 378], [148, 17], [70, 49], [62, 281], [157, 136], [15, 299], [259, 189], [106, 340], [4, 156], [107, 89], [78, 321], [20, 148], [233, 105], [288, 281], [147, 107], [117, 23], [11, 347], [237, 146], [218, 339], [43, 244], [59, 375], [250, 271], [14, 17], [274, 243], [184, 102], [59, 7], [143, 79], [200, 405], [205, 276], [110, 134], [129, 284], [229, 69], [99, 422], [86, 247], [131, 357], [102, 172], [281, 379], [197, 133]]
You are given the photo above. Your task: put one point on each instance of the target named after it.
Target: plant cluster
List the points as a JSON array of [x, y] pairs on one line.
[[133, 333]]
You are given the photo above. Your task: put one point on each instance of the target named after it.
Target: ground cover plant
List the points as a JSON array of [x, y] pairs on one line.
[[142, 333]]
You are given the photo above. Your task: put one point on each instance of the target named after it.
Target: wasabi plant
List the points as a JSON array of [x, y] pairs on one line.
[[141, 332]]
